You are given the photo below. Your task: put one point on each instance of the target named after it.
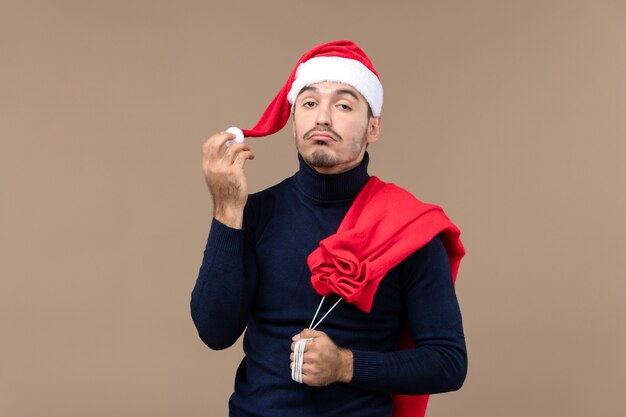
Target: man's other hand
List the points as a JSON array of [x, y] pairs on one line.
[[324, 362]]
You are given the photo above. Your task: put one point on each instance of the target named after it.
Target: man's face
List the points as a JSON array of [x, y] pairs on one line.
[[332, 127]]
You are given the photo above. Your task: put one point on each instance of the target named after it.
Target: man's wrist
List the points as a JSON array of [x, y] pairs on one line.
[[348, 366], [232, 218]]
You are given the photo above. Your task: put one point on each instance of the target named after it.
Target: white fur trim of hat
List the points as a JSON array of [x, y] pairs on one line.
[[341, 70]]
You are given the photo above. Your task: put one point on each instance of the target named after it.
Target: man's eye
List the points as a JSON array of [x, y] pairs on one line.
[[344, 107], [309, 104]]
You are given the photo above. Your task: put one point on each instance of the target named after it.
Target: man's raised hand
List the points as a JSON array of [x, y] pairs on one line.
[[223, 168]]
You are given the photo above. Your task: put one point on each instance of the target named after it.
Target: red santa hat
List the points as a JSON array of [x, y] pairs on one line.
[[338, 61]]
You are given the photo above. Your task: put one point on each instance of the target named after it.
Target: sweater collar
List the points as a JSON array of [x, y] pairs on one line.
[[332, 187]]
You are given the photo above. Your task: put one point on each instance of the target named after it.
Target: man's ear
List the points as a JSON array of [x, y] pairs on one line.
[[375, 125]]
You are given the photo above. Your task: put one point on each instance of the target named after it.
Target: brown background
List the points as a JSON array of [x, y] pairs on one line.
[[510, 114]]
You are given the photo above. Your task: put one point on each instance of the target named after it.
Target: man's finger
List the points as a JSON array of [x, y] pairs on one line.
[[216, 142], [308, 333], [243, 156]]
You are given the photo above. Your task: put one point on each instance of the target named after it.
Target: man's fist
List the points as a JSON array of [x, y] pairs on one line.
[[324, 362]]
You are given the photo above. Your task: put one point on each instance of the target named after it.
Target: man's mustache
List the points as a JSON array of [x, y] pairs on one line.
[[325, 129]]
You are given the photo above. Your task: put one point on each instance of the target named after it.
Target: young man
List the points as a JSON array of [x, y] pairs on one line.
[[385, 261]]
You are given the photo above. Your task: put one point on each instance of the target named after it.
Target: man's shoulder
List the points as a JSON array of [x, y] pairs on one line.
[[390, 196], [271, 198], [264, 205], [284, 186]]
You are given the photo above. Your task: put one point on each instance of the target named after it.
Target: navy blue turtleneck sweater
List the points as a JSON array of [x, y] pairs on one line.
[[257, 280]]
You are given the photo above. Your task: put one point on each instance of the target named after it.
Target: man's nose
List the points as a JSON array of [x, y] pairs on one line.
[[323, 115]]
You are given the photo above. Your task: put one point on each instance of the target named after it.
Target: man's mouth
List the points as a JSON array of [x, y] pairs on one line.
[[321, 136]]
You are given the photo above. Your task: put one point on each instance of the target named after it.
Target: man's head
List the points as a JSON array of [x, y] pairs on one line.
[[337, 62], [332, 125]]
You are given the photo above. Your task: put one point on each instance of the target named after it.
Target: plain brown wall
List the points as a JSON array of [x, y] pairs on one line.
[[510, 114]]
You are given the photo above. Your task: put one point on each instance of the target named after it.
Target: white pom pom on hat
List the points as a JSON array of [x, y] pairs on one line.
[[338, 61], [238, 135]]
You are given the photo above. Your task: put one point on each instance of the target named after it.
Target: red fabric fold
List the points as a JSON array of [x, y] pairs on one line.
[[384, 225]]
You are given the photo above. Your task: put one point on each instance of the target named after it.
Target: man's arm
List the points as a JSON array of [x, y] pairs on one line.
[[222, 297], [437, 363]]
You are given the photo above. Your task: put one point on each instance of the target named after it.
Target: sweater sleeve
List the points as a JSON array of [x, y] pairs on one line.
[[223, 294], [438, 362]]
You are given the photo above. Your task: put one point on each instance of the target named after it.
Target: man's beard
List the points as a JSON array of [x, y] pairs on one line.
[[320, 158]]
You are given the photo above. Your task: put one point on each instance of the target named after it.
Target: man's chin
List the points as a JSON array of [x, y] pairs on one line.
[[320, 159]]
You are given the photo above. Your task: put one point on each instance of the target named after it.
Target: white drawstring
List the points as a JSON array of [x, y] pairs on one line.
[[298, 359], [318, 310]]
